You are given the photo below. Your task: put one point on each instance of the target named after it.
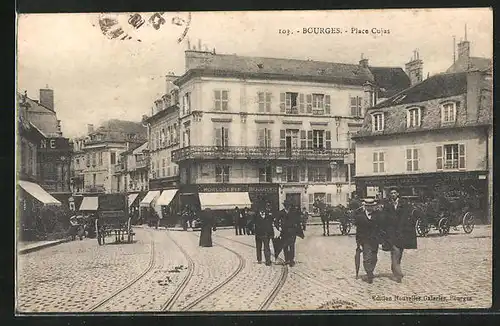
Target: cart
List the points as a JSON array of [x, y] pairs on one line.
[[113, 219]]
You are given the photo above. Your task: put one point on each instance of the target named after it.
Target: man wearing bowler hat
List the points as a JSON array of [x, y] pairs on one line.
[[368, 224], [399, 230], [289, 225]]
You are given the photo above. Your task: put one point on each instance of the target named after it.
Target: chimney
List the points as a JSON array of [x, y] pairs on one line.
[[47, 98], [169, 79], [363, 62], [414, 68], [194, 59], [464, 51], [474, 85], [90, 128]]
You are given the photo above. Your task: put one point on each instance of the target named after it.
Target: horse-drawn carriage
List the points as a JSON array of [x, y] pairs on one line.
[[340, 214], [113, 217], [442, 213]]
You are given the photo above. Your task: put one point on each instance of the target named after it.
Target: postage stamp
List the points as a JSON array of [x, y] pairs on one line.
[[254, 161]]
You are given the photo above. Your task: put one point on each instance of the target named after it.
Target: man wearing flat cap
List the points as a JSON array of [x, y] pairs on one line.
[[399, 230], [368, 225]]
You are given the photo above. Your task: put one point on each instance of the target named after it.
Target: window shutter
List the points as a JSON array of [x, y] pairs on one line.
[[354, 111], [327, 104], [282, 102], [184, 104], [261, 137], [282, 138], [302, 173], [301, 103], [328, 174], [260, 101], [218, 136], [461, 156], [455, 112], [328, 139], [309, 103], [310, 174], [416, 159], [225, 134], [408, 118], [303, 139], [268, 101], [375, 162], [309, 139], [269, 141], [329, 199], [439, 157]]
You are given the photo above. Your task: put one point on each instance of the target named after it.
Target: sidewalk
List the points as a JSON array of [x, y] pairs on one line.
[[27, 247]]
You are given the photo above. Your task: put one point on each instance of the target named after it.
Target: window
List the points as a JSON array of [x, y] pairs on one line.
[[265, 174], [186, 138], [450, 157], [291, 174], [221, 173], [94, 179], [163, 167], [448, 112], [288, 103], [318, 138], [289, 138], [412, 159], [157, 139], [94, 159], [221, 100], [264, 137], [162, 137], [158, 168], [319, 104], [88, 160], [264, 101], [356, 107], [186, 103], [222, 137], [319, 174], [413, 118], [113, 158], [378, 162], [378, 121]]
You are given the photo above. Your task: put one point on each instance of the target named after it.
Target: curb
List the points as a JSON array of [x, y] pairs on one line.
[[42, 246]]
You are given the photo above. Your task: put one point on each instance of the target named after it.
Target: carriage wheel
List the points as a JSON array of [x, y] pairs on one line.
[[468, 222], [443, 226], [345, 227], [421, 227]]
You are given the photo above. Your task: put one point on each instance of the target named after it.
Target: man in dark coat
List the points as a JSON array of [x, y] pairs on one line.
[[289, 225], [399, 230], [264, 232], [368, 225]]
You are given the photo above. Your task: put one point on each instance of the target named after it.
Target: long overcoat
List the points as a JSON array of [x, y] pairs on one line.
[[399, 225], [207, 225], [368, 230], [264, 225]]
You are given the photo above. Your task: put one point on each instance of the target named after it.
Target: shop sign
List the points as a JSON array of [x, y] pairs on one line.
[[238, 188], [349, 158]]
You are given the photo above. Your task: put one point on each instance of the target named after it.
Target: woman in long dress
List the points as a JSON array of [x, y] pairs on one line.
[[207, 225]]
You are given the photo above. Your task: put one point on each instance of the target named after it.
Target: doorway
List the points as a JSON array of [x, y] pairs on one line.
[[294, 199]]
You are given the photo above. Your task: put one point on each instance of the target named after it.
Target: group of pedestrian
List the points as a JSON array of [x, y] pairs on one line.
[[386, 223], [243, 220]]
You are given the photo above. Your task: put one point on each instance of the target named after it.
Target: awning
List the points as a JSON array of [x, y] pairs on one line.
[[166, 197], [224, 200], [89, 204], [150, 197], [131, 199], [39, 193]]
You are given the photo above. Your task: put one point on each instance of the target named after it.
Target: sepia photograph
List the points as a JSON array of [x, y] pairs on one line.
[[240, 161]]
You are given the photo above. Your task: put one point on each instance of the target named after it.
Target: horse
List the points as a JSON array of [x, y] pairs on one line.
[[335, 213]]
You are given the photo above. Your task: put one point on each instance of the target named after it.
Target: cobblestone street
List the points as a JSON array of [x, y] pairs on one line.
[[167, 271]]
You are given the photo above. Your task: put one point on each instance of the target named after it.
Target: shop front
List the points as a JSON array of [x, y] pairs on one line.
[[36, 207], [472, 184]]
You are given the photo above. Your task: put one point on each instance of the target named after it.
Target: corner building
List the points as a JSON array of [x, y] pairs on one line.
[[274, 128]]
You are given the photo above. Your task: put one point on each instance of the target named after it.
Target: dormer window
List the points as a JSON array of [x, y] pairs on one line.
[[413, 117], [448, 112], [378, 121]]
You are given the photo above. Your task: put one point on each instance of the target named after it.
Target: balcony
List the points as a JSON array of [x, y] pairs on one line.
[[257, 153]]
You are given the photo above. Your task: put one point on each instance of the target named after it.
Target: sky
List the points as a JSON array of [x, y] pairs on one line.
[[96, 78]]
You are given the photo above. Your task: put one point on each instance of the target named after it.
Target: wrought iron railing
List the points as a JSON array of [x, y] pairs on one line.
[[248, 152]]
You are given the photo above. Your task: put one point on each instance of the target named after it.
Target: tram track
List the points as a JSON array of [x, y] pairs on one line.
[[131, 283], [279, 285]]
